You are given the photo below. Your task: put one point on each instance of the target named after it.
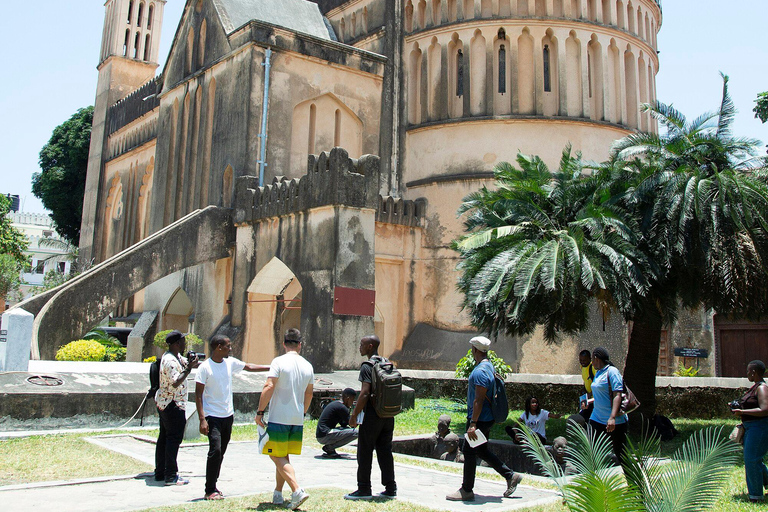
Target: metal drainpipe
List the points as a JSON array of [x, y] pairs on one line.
[[264, 111]]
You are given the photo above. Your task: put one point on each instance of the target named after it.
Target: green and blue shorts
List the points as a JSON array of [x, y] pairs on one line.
[[283, 440]]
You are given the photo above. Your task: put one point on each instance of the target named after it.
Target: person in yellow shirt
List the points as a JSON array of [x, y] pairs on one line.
[[587, 375]]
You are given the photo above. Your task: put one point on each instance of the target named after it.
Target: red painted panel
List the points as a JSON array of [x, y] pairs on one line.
[[353, 301]]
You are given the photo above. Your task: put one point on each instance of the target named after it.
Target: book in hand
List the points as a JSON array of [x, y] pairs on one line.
[[263, 437], [477, 442], [584, 401]]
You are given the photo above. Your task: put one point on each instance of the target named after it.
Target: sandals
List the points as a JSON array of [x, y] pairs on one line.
[[215, 495]]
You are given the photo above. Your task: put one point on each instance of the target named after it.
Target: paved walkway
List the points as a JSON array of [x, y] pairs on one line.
[[245, 472]]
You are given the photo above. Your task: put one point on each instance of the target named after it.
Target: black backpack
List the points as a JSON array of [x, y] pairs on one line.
[[664, 427], [154, 379], [386, 388]]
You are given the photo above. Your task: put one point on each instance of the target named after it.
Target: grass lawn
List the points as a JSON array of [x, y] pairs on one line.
[[320, 500], [59, 457]]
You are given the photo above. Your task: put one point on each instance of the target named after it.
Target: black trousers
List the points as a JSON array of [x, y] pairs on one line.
[[618, 436], [375, 434], [219, 433], [172, 423], [482, 451]]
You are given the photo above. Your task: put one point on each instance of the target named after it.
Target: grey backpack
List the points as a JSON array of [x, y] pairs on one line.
[[386, 388]]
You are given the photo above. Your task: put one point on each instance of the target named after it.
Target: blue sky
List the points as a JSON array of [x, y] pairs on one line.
[[51, 49]]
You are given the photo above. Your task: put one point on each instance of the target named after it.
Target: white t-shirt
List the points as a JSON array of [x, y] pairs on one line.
[[217, 378], [536, 422], [294, 374]]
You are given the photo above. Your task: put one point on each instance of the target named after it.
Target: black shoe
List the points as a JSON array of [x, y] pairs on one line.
[[330, 453], [358, 495], [389, 495]]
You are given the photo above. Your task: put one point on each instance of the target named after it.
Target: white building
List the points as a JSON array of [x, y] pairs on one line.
[[36, 227]]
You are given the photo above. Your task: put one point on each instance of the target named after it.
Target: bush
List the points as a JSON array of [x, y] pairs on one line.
[[683, 371], [467, 363], [193, 340], [82, 350]]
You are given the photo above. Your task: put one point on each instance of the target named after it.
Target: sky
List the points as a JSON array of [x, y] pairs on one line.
[[50, 61]]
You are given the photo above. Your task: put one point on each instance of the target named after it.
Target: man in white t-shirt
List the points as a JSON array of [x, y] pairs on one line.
[[288, 392], [215, 407]]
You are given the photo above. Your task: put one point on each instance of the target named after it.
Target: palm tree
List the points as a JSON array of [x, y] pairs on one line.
[[692, 480], [541, 246]]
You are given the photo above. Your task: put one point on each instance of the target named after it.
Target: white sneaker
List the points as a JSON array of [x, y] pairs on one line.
[[277, 498], [297, 498]]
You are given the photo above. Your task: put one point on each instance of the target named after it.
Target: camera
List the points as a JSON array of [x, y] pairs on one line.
[[734, 405], [195, 355]]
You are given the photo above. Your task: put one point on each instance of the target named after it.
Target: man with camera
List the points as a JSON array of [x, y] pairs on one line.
[[170, 399], [215, 407]]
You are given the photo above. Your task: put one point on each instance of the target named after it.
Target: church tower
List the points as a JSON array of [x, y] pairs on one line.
[[130, 44]]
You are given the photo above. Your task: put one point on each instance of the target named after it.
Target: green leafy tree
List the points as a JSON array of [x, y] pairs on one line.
[[686, 224], [761, 109], [12, 241], [10, 278], [693, 479], [61, 183]]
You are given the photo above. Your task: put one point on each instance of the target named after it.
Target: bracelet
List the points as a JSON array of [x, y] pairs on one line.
[[473, 423], [260, 413]]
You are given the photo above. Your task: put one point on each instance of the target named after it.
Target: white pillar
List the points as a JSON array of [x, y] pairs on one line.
[[15, 340]]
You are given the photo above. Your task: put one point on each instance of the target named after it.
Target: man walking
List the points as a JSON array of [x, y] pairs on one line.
[[375, 432], [215, 407], [480, 417], [170, 399], [288, 391], [333, 430]]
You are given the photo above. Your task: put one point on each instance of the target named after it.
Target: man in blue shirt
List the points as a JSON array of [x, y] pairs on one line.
[[480, 417]]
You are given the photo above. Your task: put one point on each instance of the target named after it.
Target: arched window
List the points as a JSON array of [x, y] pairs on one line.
[[436, 14], [547, 78], [201, 45], [337, 128], [146, 48], [190, 50], [459, 73], [409, 16], [140, 14], [136, 43], [353, 26], [502, 69], [312, 126], [130, 12], [127, 41], [150, 15], [342, 30]]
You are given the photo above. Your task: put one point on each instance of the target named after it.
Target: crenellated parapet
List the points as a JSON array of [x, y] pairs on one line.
[[140, 102], [332, 179], [401, 211]]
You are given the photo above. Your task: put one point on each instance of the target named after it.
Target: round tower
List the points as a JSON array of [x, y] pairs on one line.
[[484, 79]]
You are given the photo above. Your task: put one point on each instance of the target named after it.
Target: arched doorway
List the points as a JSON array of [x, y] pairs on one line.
[[178, 313], [274, 305]]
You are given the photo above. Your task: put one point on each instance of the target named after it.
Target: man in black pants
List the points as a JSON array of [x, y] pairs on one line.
[[480, 417], [170, 399], [375, 432], [333, 430], [215, 408]]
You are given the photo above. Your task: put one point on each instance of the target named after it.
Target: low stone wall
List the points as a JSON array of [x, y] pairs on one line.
[[690, 397]]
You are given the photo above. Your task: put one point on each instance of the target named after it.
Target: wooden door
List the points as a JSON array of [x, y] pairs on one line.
[[666, 364], [739, 344]]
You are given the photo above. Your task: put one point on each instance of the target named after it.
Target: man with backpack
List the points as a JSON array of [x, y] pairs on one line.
[[379, 403], [480, 417]]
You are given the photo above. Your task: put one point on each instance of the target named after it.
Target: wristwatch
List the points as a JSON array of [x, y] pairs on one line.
[[260, 413]]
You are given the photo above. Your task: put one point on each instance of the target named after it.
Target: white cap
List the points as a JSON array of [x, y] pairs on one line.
[[481, 343]]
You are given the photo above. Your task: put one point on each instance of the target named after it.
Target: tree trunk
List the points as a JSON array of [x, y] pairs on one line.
[[642, 359]]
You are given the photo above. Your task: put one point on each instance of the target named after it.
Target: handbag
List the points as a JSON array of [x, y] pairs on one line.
[[629, 401], [737, 434]]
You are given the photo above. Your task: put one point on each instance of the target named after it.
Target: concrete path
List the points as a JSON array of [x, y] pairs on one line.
[[245, 472]]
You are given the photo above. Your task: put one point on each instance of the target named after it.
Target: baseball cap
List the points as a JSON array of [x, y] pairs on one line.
[[481, 343], [174, 336]]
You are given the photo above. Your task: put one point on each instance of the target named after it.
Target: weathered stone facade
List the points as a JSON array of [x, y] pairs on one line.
[[440, 90]]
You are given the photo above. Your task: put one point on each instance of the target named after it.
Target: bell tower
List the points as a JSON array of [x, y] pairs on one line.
[[128, 59]]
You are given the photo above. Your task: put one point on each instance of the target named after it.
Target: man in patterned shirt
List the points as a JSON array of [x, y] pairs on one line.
[[170, 399]]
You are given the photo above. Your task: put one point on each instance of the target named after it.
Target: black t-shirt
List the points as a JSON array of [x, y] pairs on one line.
[[334, 414]]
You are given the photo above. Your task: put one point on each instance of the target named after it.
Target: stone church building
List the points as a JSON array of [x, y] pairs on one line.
[[215, 198]]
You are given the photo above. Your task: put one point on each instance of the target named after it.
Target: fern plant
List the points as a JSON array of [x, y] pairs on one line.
[[692, 480], [467, 363]]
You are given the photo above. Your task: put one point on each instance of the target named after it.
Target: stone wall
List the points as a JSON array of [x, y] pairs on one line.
[[690, 397]]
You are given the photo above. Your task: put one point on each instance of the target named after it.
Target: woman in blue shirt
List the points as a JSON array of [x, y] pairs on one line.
[[606, 386]]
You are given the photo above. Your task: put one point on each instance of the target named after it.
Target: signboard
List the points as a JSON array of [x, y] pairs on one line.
[[3, 340], [691, 352], [353, 301], [3, 333]]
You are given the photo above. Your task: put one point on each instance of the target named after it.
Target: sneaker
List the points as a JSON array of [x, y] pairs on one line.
[[358, 495], [297, 498], [277, 498], [330, 453], [177, 481], [512, 484], [387, 495], [461, 495]]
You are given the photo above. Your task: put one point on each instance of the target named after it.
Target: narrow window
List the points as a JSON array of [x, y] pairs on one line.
[[459, 73], [136, 42], [130, 12], [312, 121], [150, 15], [125, 44], [146, 48], [140, 14], [589, 74], [547, 78], [337, 129], [502, 69]]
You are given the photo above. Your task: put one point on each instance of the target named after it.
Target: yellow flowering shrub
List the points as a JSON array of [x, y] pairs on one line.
[[82, 350]]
